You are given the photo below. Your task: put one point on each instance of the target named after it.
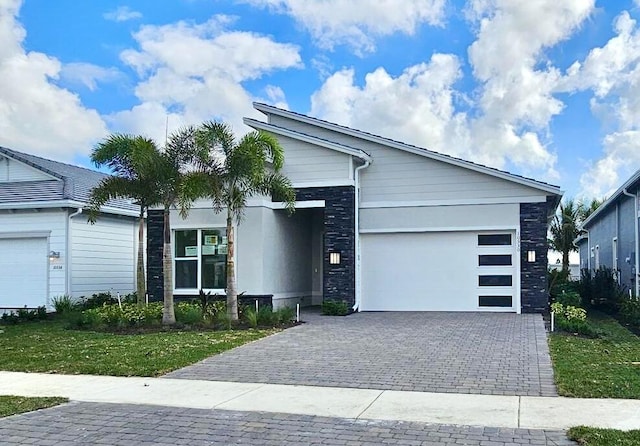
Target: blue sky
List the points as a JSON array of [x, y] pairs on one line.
[[542, 88]]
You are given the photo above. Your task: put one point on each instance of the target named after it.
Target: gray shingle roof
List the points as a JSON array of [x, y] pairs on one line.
[[76, 183]]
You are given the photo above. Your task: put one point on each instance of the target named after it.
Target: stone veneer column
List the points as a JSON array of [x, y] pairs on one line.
[[339, 281], [533, 276], [155, 242]]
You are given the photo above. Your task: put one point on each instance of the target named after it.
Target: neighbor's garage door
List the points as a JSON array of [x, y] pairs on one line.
[[439, 271], [23, 272]]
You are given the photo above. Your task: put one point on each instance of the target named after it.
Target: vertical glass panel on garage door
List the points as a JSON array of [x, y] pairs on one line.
[[496, 279]]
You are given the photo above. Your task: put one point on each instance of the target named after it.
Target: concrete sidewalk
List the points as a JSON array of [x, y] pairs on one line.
[[440, 408]]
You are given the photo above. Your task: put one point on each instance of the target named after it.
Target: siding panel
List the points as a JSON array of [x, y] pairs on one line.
[[396, 175], [305, 162], [11, 170], [103, 256]]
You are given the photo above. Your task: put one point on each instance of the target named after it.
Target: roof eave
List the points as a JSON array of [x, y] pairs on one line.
[[259, 125], [635, 178], [547, 188]]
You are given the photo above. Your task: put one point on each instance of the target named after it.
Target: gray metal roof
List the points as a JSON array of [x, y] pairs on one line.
[[74, 182]]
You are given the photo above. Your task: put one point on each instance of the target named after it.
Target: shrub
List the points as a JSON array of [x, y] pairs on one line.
[[98, 300], [129, 315], [64, 304], [570, 298], [223, 320], [630, 310], [189, 313], [600, 289], [266, 316], [285, 315], [24, 315], [335, 308], [572, 319], [251, 317]]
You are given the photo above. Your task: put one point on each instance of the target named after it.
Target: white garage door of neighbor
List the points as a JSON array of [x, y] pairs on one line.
[[23, 272], [439, 271]]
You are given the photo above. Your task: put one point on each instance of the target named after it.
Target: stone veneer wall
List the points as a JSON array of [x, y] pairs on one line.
[[533, 276], [155, 241], [339, 281]]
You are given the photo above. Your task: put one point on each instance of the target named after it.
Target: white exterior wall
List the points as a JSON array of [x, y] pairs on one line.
[[287, 257], [440, 218], [307, 163], [52, 221], [397, 175], [103, 255], [12, 170]]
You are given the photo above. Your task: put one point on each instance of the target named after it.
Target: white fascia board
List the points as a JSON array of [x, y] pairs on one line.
[[258, 125], [438, 229], [50, 204], [457, 202], [321, 183], [267, 109]]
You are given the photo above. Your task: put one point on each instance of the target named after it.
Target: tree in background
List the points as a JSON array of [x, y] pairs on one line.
[[565, 226], [229, 172], [132, 160]]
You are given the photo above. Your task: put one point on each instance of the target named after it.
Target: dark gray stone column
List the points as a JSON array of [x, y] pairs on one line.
[[155, 242], [533, 276], [339, 281]]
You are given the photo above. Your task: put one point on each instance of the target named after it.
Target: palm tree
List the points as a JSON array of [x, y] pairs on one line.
[[564, 230], [230, 172], [171, 169], [588, 208], [131, 159]]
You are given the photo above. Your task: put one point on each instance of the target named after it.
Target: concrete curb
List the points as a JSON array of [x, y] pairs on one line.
[[440, 408]]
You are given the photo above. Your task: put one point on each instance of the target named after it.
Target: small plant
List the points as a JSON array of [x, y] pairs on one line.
[[251, 317], [569, 298], [630, 310], [24, 315], [285, 315], [223, 320], [64, 304], [188, 313], [572, 319], [335, 308], [98, 300]]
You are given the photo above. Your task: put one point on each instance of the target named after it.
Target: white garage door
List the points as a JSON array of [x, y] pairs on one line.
[[23, 272], [439, 271]]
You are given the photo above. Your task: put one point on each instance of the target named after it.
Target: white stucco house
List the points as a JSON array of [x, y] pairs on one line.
[[48, 248], [380, 224]]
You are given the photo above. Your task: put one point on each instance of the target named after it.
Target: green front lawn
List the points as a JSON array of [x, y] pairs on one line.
[[607, 367], [591, 436], [12, 405], [47, 347]]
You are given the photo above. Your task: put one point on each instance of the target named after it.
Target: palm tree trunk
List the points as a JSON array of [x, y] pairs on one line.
[[565, 260], [140, 278], [232, 290], [168, 313]]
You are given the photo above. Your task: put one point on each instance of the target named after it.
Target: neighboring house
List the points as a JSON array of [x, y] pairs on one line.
[[610, 237], [380, 224], [48, 248]]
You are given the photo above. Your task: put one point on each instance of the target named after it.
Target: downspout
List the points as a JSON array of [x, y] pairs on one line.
[[68, 256], [635, 219], [357, 170]]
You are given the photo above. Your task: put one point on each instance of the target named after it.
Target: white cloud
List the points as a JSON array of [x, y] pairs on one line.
[[509, 112], [89, 75], [122, 14], [415, 107], [195, 72], [612, 73], [36, 115], [358, 23]]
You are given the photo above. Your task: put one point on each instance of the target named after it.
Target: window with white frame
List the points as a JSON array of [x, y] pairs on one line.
[[200, 259]]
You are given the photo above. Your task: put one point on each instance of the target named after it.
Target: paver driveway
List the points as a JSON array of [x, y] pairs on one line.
[[490, 353], [126, 425]]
